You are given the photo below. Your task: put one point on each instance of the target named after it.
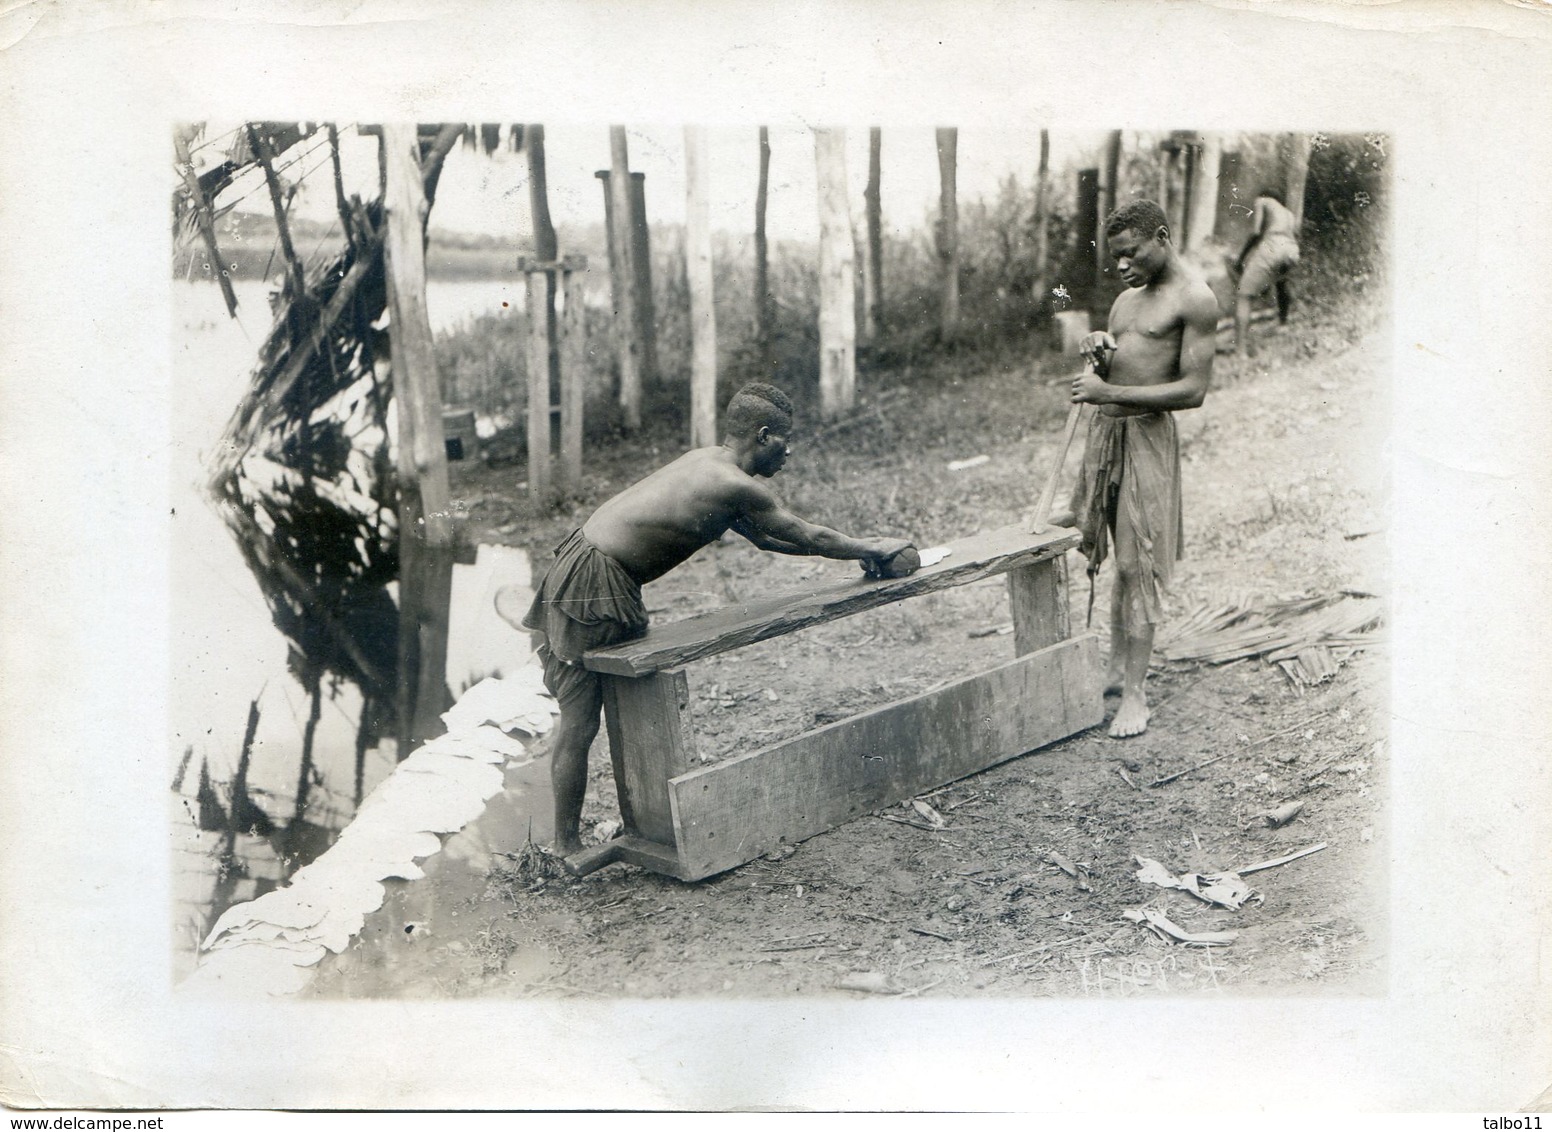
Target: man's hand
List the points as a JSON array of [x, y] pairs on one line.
[[1088, 388], [1096, 348], [877, 562]]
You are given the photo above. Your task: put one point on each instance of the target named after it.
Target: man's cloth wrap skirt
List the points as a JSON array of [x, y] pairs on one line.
[[587, 600], [1130, 480]]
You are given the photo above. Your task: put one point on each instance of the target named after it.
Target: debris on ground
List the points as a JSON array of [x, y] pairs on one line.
[[1225, 889], [1274, 862], [1079, 873], [970, 462], [1309, 638], [1283, 814], [1170, 932]]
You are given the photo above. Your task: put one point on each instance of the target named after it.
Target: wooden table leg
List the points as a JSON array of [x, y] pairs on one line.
[[1037, 598], [650, 741]]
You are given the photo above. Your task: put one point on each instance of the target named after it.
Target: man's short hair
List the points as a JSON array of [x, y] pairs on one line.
[[755, 405], [1275, 194], [1144, 217]]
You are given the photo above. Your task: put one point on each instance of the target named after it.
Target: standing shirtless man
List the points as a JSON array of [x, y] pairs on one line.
[[1156, 358], [591, 595]]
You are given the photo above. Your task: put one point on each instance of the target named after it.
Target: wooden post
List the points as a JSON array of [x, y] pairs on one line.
[[1088, 232], [425, 526], [1296, 175], [1204, 193], [1171, 196], [543, 354], [1041, 225], [651, 740], [627, 322], [573, 372], [539, 353], [1108, 171], [764, 320], [948, 230], [1037, 600], [873, 244], [641, 259], [1187, 187], [703, 310], [837, 279]]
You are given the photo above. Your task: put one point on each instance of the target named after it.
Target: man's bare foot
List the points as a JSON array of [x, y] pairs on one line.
[[1131, 718], [1062, 517], [565, 848]]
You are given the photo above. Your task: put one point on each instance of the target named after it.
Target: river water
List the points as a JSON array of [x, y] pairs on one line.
[[241, 827]]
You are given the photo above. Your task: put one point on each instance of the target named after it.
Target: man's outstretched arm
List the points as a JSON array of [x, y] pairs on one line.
[[770, 526]]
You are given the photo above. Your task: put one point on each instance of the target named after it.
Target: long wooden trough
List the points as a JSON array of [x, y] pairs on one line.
[[693, 821]]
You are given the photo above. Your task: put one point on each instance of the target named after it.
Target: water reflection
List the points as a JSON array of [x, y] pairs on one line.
[[283, 701]]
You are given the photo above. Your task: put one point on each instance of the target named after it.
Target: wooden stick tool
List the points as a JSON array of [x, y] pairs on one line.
[[1048, 492]]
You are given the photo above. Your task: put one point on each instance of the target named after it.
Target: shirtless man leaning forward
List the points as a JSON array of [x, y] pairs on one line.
[[1156, 358], [591, 595]]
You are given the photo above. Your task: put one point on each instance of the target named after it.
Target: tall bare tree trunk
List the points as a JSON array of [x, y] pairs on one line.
[[837, 278], [622, 252], [698, 273], [948, 230], [425, 527], [1042, 241], [764, 320], [1297, 174], [1204, 192], [873, 243]]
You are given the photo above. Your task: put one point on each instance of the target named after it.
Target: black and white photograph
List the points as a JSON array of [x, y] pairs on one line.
[[805, 687], [724, 559]]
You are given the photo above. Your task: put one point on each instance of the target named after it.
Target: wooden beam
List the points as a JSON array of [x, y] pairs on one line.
[[703, 307], [730, 813], [1109, 171], [837, 279], [623, 275], [980, 556], [1041, 221], [539, 354], [426, 536], [650, 741], [573, 372], [641, 265]]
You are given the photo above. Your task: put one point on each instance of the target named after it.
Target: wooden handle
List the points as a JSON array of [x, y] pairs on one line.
[[1048, 492]]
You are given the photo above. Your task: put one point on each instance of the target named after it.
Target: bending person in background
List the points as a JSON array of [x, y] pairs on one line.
[[1271, 251], [1156, 358], [591, 595]]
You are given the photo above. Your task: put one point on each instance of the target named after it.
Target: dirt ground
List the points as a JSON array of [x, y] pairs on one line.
[[1283, 497]]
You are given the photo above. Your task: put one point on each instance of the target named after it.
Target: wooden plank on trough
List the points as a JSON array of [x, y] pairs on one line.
[[974, 558], [730, 813]]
